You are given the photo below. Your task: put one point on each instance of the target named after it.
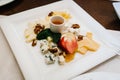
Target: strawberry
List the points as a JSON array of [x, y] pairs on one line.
[[62, 43], [68, 42]]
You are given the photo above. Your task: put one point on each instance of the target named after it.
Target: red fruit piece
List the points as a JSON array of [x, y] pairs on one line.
[[68, 42]]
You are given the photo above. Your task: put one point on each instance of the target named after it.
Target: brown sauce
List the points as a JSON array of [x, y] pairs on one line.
[[69, 57], [57, 22]]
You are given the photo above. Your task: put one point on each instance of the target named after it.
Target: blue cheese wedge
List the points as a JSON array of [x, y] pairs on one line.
[[44, 46], [49, 58]]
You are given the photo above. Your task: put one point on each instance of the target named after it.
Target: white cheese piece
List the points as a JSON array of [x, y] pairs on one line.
[[52, 45], [44, 46], [61, 59], [30, 38], [75, 31], [29, 33], [49, 58], [44, 49]]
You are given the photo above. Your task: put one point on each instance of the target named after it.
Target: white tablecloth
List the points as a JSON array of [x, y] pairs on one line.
[[9, 69]]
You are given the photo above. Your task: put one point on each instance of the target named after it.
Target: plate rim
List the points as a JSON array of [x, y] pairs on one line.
[[92, 75]]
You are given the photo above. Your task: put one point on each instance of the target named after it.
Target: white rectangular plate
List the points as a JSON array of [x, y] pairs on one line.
[[116, 6], [4, 2], [30, 59]]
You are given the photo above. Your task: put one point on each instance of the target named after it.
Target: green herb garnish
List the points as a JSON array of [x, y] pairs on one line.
[[48, 33]]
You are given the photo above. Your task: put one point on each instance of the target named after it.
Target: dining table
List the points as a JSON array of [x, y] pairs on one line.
[[101, 10]]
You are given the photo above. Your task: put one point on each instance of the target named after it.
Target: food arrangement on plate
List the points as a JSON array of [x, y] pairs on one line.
[[59, 42]]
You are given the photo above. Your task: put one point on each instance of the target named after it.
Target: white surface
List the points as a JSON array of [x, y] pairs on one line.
[[4, 2], [99, 76], [9, 69], [116, 34], [30, 60], [114, 0], [116, 6]]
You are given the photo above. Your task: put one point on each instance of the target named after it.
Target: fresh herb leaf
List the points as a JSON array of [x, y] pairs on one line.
[[48, 33]]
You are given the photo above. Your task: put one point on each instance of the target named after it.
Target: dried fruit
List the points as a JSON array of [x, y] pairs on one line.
[[75, 26]]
